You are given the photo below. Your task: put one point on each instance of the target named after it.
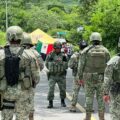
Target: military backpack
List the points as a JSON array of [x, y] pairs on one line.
[[95, 60]]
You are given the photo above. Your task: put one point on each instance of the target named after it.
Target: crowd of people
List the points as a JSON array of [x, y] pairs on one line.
[[20, 66]]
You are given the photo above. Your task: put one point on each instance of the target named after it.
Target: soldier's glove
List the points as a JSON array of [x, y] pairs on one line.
[[106, 99], [81, 82]]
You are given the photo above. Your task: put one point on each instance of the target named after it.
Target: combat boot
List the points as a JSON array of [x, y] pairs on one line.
[[88, 116], [101, 116], [31, 116], [73, 108], [63, 103], [50, 104]]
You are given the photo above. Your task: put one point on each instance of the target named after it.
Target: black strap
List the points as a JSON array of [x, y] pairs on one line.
[[7, 51], [90, 48], [8, 104]]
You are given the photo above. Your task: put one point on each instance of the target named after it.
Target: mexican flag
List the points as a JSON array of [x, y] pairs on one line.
[[44, 48]]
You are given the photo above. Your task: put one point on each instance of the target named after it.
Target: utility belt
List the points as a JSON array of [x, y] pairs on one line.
[[115, 88], [8, 104]]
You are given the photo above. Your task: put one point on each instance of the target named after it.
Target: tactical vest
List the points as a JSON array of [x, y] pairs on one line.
[[95, 60], [57, 65], [23, 73], [11, 67]]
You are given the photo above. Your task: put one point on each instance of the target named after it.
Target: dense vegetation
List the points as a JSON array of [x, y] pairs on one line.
[[65, 15]]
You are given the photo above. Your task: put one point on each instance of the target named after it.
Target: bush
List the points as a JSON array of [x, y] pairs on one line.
[[2, 38]]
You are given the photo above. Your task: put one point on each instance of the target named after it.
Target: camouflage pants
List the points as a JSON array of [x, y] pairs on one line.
[[115, 107], [93, 85], [20, 111], [31, 100], [21, 104], [76, 89], [60, 80]]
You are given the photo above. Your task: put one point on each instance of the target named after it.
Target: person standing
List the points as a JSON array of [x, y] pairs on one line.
[[111, 86], [73, 64], [56, 63], [17, 68], [91, 73], [27, 43]]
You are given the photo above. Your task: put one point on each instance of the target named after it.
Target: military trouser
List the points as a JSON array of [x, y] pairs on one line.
[[76, 89], [115, 106], [60, 80], [93, 85], [21, 107]]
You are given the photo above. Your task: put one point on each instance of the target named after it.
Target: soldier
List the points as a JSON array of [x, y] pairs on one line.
[[91, 72], [17, 72], [27, 42], [56, 62], [112, 86], [73, 64]]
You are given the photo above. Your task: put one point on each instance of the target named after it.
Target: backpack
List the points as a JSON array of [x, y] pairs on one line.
[[95, 60], [12, 66]]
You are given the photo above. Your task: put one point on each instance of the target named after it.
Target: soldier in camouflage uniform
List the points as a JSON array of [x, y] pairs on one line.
[[91, 71], [56, 62], [15, 84], [27, 42], [112, 86], [73, 64]]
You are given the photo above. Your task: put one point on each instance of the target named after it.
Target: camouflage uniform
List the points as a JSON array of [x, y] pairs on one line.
[[93, 79], [18, 94], [73, 64], [57, 65], [112, 76], [39, 64]]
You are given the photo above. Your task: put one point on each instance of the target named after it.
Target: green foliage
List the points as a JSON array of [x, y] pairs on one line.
[[105, 18], [53, 16], [2, 38]]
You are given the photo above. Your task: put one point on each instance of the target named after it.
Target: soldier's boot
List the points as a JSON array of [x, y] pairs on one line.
[[73, 108], [31, 116], [101, 116], [88, 116], [50, 104], [63, 103]]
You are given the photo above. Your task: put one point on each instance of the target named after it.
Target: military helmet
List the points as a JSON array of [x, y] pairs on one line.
[[83, 44], [14, 33], [95, 36], [57, 45], [26, 39]]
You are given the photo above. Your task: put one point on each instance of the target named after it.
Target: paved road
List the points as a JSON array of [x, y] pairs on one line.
[[58, 112]]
